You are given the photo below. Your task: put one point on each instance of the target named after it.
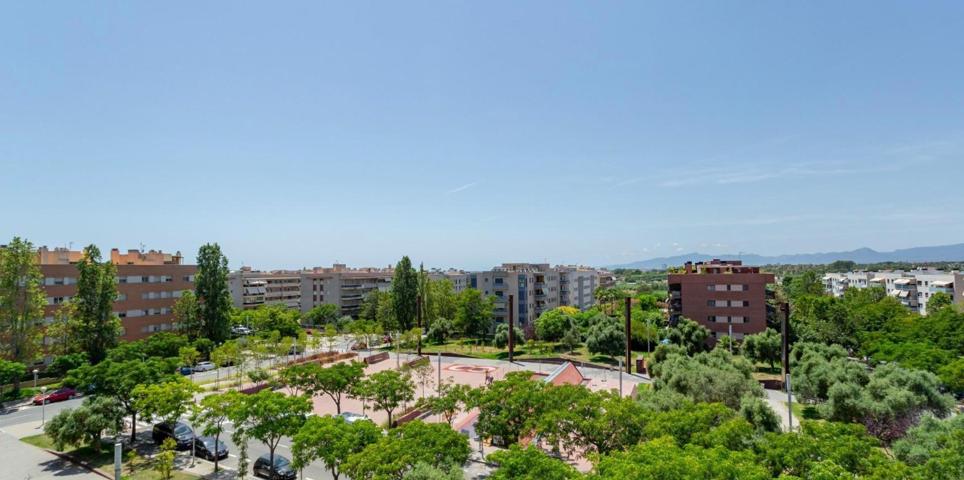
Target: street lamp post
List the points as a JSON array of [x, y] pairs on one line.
[[620, 377], [35, 372], [43, 406]]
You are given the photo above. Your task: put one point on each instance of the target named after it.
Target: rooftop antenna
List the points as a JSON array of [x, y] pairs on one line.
[[142, 247]]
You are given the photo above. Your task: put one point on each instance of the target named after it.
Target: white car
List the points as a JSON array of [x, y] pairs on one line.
[[352, 417], [204, 367]]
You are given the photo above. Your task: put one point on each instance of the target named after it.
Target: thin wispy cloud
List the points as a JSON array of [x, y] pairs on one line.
[[760, 173], [462, 188]]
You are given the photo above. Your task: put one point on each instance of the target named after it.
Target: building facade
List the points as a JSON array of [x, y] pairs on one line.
[[460, 279], [148, 286], [342, 286], [536, 288], [721, 295], [914, 288], [252, 288]]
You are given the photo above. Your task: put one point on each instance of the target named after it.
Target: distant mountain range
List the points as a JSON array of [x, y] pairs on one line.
[[942, 253]]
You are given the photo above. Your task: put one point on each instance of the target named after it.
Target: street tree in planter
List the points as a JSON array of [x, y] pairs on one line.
[[388, 390], [331, 440]]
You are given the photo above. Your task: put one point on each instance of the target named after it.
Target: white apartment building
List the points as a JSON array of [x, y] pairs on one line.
[[913, 288], [536, 288], [252, 288]]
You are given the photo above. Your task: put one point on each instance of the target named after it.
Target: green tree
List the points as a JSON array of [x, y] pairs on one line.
[[714, 376], [553, 324], [167, 400], [21, 302], [509, 407], [763, 347], [474, 315], [388, 390], [118, 379], [690, 335], [331, 440], [212, 413], [369, 307], [451, 400], [270, 416], [662, 458], [572, 339], [805, 284], [938, 301], [65, 363], [97, 327], [441, 301], [530, 463], [930, 436], [186, 316], [337, 380], [164, 460], [188, 355], [501, 337], [606, 338], [211, 287], [758, 412], [404, 294], [321, 314], [424, 471], [396, 453], [85, 424], [10, 372], [440, 329]]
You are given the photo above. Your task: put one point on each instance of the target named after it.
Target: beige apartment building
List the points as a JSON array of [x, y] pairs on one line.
[[253, 288], [148, 285], [460, 279], [342, 286], [913, 288]]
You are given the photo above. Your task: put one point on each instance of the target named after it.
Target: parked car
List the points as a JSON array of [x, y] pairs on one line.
[[240, 330], [185, 371], [206, 447], [58, 395], [180, 432], [281, 470], [352, 417], [204, 367]]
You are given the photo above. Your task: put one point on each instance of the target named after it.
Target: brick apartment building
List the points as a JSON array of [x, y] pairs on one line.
[[720, 293], [148, 285]]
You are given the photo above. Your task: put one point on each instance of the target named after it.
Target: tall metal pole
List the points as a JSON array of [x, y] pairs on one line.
[[620, 377], [629, 353], [418, 308], [118, 448], [438, 389], [785, 324], [511, 327]]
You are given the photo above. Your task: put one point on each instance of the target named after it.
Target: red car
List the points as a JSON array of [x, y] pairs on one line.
[[57, 395]]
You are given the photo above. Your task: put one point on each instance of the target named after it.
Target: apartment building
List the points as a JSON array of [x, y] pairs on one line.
[[536, 287], [914, 288], [577, 284], [720, 295], [342, 286], [607, 279], [148, 285], [460, 279], [253, 288]]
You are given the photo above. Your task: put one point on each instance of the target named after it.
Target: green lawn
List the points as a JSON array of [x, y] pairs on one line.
[[104, 460]]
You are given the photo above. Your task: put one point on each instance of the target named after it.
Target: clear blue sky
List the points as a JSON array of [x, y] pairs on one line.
[[469, 133]]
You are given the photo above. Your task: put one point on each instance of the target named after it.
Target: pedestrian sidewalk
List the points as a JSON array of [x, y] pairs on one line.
[[22, 461]]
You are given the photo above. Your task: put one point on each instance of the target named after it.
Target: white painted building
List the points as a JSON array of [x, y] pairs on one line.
[[914, 288]]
